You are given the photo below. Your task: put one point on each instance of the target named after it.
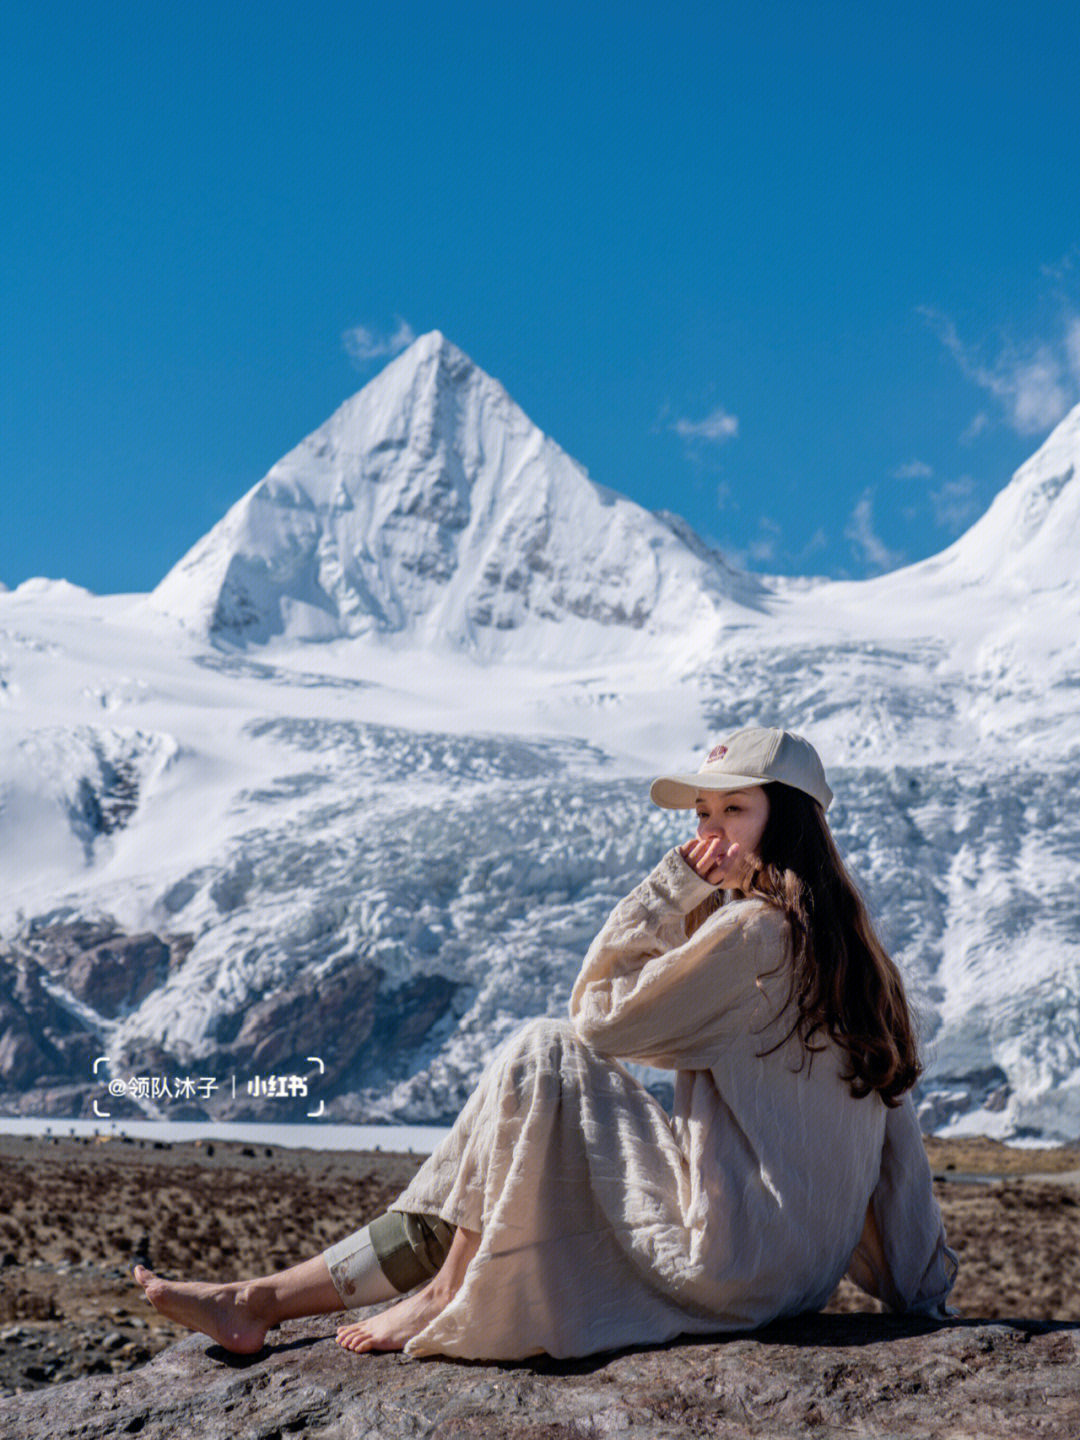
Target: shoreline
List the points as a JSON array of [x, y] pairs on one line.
[[395, 1139]]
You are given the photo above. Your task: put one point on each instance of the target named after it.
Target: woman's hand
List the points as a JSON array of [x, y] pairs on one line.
[[714, 861]]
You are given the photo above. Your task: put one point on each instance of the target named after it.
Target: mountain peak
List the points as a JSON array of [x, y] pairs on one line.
[[431, 343], [432, 347], [430, 505]]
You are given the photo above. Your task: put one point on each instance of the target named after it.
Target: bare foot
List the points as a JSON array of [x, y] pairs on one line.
[[393, 1329], [227, 1313]]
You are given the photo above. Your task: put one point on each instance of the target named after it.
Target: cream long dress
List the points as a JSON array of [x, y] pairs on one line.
[[606, 1222]]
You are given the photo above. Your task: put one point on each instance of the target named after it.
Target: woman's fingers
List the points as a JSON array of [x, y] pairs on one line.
[[693, 852], [709, 857], [722, 863]]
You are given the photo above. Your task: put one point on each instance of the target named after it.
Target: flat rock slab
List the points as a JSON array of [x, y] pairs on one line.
[[857, 1375]]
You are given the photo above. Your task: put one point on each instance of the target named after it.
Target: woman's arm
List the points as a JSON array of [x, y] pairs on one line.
[[902, 1257], [646, 992]]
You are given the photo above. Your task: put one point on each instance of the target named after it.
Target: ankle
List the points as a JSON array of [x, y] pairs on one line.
[[257, 1298], [444, 1287]]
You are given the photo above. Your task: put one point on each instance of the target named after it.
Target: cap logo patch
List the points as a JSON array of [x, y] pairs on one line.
[[716, 753]]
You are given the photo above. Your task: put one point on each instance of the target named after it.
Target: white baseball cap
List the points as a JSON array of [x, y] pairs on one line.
[[753, 756]]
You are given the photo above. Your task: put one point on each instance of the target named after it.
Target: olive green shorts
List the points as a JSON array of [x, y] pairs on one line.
[[410, 1249]]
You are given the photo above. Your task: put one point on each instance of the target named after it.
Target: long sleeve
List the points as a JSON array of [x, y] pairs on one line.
[[902, 1257], [646, 992]]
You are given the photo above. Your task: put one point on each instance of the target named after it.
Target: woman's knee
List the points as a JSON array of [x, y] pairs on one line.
[[545, 1041], [546, 1031]]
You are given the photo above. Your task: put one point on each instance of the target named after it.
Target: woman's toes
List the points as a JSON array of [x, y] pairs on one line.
[[354, 1338]]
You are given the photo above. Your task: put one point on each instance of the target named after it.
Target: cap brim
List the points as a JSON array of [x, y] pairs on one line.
[[678, 792]]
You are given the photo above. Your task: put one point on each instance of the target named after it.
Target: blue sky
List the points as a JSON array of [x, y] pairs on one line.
[[808, 275]]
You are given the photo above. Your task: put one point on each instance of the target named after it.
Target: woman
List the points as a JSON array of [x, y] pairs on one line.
[[566, 1212]]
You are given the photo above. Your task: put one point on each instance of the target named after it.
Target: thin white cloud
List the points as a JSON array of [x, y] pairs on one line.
[[865, 539], [1038, 392], [1065, 268], [769, 534], [980, 423], [364, 344], [954, 504], [818, 541], [717, 427], [1035, 387], [768, 546], [1072, 347]]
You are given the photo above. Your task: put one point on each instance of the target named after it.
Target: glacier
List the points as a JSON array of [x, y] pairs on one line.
[[364, 773]]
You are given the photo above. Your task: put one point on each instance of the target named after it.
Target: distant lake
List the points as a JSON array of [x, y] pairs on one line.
[[400, 1139]]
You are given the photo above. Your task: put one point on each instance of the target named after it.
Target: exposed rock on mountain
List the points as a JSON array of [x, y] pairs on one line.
[[103, 968], [41, 1043], [60, 987]]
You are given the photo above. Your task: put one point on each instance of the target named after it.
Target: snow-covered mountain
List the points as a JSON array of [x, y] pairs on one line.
[[429, 507], [227, 848], [1029, 539]]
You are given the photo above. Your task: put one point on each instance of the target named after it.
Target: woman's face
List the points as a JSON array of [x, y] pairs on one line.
[[735, 817]]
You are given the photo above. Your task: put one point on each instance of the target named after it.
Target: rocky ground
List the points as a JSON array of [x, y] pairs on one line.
[[878, 1376], [75, 1215]]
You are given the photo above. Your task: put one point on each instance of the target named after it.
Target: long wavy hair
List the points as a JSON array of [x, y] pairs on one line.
[[843, 982]]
